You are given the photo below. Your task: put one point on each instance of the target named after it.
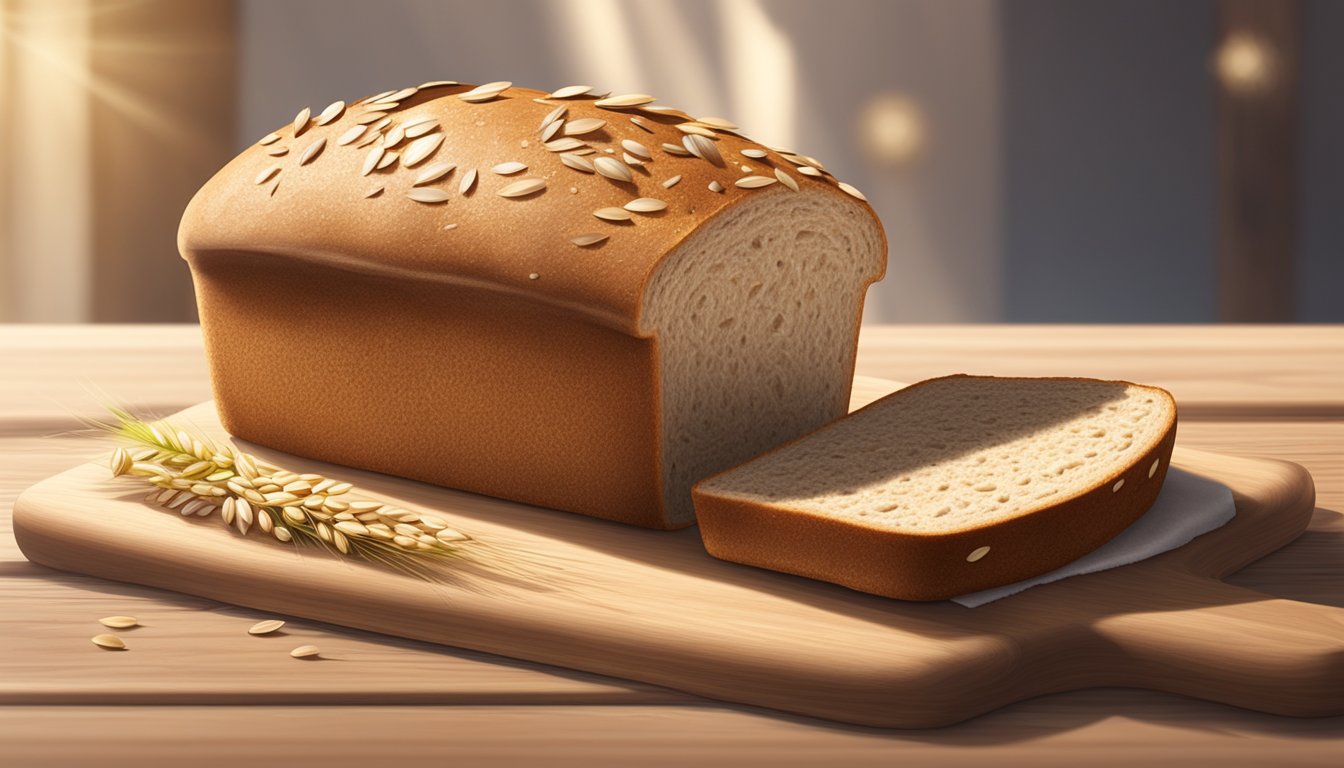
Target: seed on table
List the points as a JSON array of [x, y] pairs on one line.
[[111, 642], [119, 622], [305, 652], [265, 627]]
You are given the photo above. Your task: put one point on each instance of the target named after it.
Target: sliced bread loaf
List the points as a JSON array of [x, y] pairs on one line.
[[948, 486]]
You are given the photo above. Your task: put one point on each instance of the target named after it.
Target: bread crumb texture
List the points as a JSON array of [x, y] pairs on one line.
[[963, 452]]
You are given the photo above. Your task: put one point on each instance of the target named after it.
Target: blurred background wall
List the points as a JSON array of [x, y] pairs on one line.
[[1032, 160]]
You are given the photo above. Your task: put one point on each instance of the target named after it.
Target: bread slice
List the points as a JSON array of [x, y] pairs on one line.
[[948, 486]]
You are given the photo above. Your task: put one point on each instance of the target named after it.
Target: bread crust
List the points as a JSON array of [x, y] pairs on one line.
[[446, 396], [929, 566], [319, 211]]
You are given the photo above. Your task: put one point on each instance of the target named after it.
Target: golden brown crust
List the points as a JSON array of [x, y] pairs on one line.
[[449, 385], [912, 566], [318, 210]]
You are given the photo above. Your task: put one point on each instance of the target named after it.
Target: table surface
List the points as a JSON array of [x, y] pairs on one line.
[[1246, 390]]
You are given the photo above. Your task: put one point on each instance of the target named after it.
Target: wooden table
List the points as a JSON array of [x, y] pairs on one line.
[[1269, 391]]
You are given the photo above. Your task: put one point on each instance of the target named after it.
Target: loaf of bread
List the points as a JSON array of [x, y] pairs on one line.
[[948, 486], [573, 300]]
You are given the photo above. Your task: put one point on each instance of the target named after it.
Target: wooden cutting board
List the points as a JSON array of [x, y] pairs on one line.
[[653, 607]]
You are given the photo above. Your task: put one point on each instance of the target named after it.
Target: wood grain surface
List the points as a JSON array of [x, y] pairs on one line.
[[1259, 391]]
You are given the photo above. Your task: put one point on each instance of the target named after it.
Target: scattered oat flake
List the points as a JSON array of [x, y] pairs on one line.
[[814, 162], [754, 182], [509, 168], [420, 129], [642, 123], [119, 622], [645, 205], [437, 84], [613, 169], [612, 214], [388, 159], [577, 162], [429, 195], [696, 130], [753, 153], [265, 627], [702, 148], [301, 120], [305, 652], [333, 111], [433, 172], [563, 144], [370, 117], [371, 160], [808, 170], [419, 150], [555, 114], [533, 276], [584, 241], [549, 131], [715, 186], [403, 94], [676, 149], [522, 188], [450, 226], [312, 151], [624, 101], [584, 125], [266, 174], [468, 181], [351, 135], [111, 642], [631, 159], [672, 182], [269, 138], [485, 92], [569, 92], [851, 191], [786, 179], [636, 149], [376, 191]]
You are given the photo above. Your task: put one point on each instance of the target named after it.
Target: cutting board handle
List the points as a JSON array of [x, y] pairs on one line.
[[1239, 646]]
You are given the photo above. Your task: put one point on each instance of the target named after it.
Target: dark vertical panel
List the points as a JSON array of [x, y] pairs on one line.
[[1109, 172], [1320, 253], [1257, 166], [164, 96]]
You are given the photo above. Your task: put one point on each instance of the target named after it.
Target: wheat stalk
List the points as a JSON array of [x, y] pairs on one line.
[[198, 477]]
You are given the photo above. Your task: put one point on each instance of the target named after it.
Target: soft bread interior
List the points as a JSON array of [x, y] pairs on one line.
[[755, 317], [962, 452]]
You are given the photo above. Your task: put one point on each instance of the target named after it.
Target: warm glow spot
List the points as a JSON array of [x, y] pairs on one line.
[[1244, 63], [891, 128]]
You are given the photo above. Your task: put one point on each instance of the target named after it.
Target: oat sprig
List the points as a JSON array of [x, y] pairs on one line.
[[196, 476]]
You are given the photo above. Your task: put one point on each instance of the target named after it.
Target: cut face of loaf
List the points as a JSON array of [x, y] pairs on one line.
[[755, 319], [949, 486]]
